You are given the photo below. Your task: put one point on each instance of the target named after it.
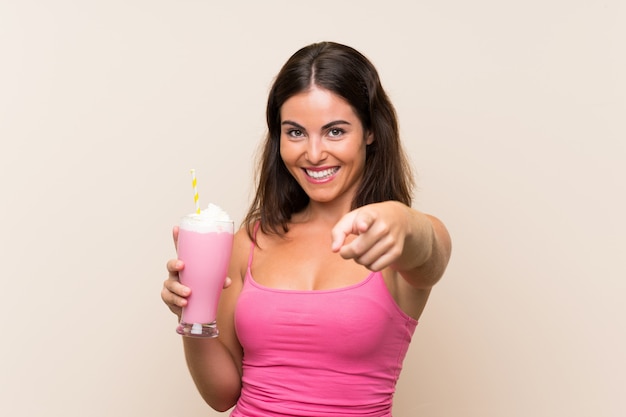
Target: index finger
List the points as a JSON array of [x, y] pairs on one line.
[[355, 222], [341, 230], [174, 265]]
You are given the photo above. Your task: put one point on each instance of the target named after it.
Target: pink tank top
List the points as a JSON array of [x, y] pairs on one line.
[[320, 353]]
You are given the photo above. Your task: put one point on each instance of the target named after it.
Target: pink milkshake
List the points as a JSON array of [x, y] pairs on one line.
[[205, 243]]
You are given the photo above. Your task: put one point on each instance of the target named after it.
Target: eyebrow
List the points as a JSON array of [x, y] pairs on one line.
[[326, 126]]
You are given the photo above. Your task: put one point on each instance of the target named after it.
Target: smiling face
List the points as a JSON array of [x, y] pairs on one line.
[[322, 144]]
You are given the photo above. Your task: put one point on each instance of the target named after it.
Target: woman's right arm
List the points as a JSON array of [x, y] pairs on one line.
[[214, 364]]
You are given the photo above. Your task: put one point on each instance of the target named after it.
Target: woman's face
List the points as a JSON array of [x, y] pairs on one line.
[[322, 144]]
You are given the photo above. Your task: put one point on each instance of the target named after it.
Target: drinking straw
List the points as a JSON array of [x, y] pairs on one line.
[[195, 190]]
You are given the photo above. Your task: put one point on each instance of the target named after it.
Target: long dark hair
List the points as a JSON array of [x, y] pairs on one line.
[[347, 73]]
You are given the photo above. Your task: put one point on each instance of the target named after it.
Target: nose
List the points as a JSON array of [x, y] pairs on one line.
[[315, 150]]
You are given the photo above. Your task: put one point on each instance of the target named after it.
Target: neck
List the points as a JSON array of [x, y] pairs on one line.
[[326, 213]]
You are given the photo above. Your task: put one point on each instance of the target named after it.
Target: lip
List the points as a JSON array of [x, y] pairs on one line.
[[314, 180]]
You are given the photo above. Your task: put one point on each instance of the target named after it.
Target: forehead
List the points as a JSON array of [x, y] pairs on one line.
[[316, 103]]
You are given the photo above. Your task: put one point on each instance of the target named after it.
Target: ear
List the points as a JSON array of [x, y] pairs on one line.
[[369, 138]]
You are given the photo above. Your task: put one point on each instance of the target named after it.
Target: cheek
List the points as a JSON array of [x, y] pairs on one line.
[[354, 152], [288, 153]]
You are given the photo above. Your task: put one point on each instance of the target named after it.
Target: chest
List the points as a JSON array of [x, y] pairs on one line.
[[306, 263], [353, 323]]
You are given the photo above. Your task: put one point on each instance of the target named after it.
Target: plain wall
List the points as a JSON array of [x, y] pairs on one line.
[[513, 114]]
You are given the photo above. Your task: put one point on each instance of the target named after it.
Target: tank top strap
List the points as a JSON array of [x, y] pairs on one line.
[[253, 244]]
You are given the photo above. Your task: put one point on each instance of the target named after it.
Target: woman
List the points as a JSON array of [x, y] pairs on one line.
[[332, 267]]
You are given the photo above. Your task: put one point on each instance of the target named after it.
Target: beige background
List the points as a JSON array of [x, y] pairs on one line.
[[512, 112]]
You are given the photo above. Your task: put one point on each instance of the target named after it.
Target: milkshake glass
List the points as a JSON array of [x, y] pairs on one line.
[[205, 243]]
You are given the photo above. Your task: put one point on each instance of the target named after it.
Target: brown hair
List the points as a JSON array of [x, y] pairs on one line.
[[347, 73]]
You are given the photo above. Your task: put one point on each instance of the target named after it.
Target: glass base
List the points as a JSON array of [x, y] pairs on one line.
[[198, 329]]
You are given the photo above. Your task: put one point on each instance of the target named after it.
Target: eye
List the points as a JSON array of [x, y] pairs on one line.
[[295, 133], [335, 132]]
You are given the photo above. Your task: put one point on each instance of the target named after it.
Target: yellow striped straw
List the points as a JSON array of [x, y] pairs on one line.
[[194, 183]]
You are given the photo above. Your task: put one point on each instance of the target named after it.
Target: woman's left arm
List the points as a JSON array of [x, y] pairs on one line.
[[391, 234]]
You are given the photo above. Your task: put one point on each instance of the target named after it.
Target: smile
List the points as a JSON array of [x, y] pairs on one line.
[[323, 174]]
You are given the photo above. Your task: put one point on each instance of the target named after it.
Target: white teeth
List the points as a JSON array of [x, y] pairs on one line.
[[318, 175]]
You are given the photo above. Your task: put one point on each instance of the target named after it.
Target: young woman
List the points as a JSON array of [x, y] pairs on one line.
[[331, 268]]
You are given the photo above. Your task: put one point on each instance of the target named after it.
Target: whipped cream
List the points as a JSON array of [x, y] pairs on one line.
[[211, 219]]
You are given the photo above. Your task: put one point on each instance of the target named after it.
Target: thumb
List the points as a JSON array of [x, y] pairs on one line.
[[175, 231]]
